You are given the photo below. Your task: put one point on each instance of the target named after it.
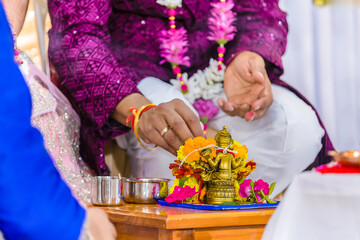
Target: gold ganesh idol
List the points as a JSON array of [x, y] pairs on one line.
[[210, 170], [223, 175]]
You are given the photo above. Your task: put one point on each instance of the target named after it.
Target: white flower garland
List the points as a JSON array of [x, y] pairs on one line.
[[206, 84], [170, 3]]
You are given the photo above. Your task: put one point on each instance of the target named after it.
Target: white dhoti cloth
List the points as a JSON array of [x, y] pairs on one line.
[[283, 142]]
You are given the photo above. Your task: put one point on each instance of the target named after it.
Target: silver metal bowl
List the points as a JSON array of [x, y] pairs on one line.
[[145, 190], [106, 191]]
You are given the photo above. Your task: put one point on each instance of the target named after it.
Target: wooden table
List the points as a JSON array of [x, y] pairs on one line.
[[136, 221]]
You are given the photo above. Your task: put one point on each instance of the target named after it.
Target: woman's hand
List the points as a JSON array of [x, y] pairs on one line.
[[247, 87], [169, 125], [100, 227]]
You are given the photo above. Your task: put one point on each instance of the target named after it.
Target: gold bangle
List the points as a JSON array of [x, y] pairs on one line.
[[136, 121]]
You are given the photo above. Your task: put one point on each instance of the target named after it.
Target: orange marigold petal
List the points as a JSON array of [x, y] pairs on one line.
[[173, 165], [202, 193]]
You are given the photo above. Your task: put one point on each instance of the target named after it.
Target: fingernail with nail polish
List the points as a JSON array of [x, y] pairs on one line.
[[250, 116]]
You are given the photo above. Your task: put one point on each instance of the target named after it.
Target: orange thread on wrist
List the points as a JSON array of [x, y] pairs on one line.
[[131, 117], [139, 112]]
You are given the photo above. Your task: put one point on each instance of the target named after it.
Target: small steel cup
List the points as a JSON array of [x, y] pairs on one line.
[[145, 190], [347, 158], [106, 191]]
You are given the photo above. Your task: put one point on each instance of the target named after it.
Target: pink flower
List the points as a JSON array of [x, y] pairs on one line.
[[245, 188], [174, 46], [206, 109], [221, 20], [261, 185], [259, 192], [180, 194], [258, 198]]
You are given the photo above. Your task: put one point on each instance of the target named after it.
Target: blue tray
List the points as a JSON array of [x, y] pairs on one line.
[[219, 207]]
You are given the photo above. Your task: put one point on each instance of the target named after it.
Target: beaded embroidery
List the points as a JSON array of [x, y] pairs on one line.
[[60, 129]]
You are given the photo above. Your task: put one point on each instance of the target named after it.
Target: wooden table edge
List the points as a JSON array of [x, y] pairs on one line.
[[204, 220]]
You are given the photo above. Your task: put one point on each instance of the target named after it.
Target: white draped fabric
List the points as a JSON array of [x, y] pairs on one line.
[[323, 62], [318, 207]]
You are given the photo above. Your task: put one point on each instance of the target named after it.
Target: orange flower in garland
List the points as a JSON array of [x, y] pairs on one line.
[[198, 143], [241, 150], [185, 170], [243, 172]]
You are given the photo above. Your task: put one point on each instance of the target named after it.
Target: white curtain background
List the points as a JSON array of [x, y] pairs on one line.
[[323, 62]]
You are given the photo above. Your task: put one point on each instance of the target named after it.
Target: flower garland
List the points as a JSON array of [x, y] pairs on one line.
[[203, 85]]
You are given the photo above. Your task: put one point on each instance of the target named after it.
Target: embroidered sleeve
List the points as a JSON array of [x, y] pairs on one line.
[[79, 49], [262, 28]]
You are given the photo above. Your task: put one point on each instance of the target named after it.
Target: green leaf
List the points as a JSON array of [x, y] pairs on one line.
[[228, 203], [252, 184], [262, 194], [268, 200], [222, 41], [182, 181], [204, 119], [271, 189]]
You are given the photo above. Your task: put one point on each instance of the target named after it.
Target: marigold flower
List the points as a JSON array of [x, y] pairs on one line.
[[241, 150], [243, 172], [193, 144], [180, 154], [185, 170]]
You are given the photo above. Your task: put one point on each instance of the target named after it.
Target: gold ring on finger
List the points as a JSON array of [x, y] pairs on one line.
[[245, 106], [164, 131]]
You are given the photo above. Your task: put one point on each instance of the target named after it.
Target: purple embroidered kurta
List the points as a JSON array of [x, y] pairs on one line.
[[103, 48]]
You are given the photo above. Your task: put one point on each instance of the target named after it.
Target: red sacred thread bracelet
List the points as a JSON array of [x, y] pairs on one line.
[[134, 111]]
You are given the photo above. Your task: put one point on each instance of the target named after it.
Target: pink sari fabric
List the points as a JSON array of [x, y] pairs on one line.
[[59, 124]]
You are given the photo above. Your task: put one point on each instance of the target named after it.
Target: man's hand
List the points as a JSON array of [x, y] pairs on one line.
[[177, 118], [247, 87], [168, 125]]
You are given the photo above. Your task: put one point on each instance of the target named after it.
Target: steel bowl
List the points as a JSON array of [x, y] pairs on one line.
[[106, 191], [145, 190]]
